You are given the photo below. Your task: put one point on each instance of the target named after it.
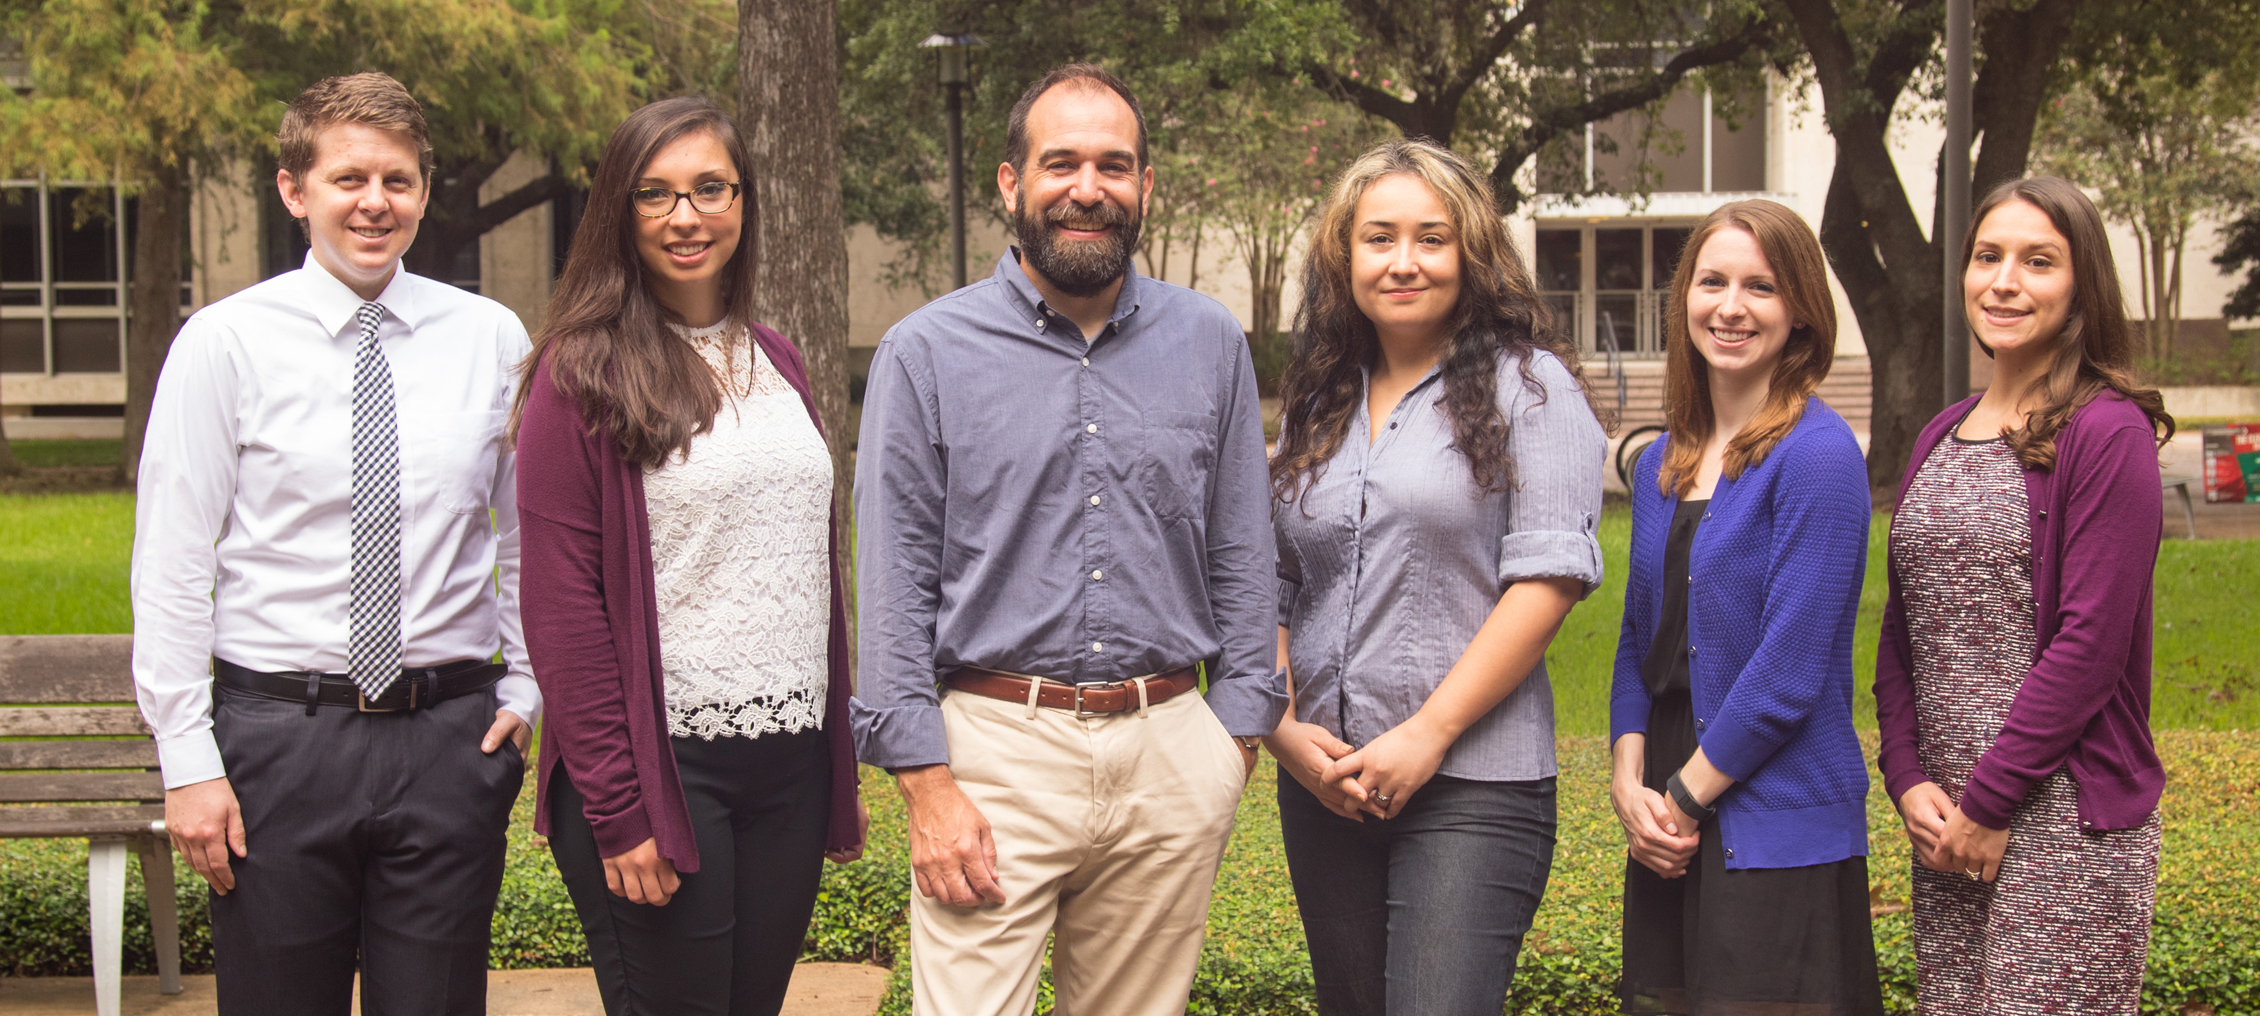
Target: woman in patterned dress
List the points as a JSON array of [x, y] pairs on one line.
[[2013, 684], [1733, 684], [682, 587]]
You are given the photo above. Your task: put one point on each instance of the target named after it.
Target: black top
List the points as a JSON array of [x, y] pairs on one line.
[[1715, 941], [1664, 669]]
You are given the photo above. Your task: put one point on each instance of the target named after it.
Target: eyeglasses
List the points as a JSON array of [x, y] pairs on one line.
[[711, 198]]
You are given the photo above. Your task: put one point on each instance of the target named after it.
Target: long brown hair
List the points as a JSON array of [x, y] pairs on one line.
[[1498, 314], [1800, 273], [2095, 349], [606, 339]]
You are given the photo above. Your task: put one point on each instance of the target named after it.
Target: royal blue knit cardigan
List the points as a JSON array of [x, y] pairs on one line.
[[1774, 590]]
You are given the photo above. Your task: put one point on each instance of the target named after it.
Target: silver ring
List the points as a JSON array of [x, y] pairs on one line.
[[1974, 873], [1381, 797]]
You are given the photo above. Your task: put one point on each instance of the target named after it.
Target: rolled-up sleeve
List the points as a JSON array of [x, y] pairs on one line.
[[1554, 511], [900, 478]]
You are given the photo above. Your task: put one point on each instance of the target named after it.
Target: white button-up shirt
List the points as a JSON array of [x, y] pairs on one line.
[[242, 535]]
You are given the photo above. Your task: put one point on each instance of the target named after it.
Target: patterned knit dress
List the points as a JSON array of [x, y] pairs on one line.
[[2066, 926]]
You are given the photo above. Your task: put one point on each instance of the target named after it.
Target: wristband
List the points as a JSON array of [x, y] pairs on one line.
[[1686, 801]]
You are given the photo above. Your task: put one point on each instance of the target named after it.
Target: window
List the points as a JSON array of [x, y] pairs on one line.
[[1607, 283], [1688, 147], [62, 278]]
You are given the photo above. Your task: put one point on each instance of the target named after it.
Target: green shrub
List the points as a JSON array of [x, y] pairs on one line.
[[2205, 945]]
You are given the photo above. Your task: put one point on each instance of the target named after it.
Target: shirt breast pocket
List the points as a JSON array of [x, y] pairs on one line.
[[1179, 458], [455, 457]]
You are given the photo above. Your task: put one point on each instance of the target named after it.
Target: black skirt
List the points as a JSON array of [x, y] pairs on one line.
[[1749, 942]]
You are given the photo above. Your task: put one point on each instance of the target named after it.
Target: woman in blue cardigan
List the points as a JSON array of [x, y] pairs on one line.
[[1737, 774]]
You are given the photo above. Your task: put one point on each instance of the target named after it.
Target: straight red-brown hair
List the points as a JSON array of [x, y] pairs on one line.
[[606, 339], [1800, 273]]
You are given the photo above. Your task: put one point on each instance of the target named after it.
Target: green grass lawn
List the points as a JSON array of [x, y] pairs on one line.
[[66, 554], [64, 557], [68, 453]]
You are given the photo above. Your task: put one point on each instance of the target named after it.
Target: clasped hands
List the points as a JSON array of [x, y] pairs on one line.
[[1379, 779], [1947, 840]]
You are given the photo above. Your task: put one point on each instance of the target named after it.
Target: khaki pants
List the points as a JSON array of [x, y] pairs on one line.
[[1109, 830]]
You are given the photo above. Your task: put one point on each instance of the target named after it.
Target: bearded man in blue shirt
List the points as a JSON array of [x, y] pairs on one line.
[[1063, 519]]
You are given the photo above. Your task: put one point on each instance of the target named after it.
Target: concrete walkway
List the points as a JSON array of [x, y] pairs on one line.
[[818, 989]]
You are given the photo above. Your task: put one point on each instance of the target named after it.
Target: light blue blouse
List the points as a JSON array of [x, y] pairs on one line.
[[1393, 558]]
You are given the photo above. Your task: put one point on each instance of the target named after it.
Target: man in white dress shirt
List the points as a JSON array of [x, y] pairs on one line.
[[325, 500]]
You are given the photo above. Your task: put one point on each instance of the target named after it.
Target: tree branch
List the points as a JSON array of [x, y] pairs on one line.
[[1492, 49], [509, 206], [1647, 89]]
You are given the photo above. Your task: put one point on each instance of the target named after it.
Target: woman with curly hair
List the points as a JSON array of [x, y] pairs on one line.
[[1438, 484], [2012, 686]]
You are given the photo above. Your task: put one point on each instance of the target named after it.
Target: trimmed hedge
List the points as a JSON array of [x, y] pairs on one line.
[[2205, 945]]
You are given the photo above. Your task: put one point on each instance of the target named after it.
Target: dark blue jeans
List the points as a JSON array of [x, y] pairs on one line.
[[1424, 913]]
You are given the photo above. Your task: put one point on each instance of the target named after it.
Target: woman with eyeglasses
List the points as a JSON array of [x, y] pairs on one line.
[[682, 587]]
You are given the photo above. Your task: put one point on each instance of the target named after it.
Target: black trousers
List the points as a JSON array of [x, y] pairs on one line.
[[1422, 914], [726, 941], [375, 837]]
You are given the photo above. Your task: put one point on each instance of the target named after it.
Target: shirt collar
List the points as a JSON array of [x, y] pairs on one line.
[[334, 304], [1015, 279]]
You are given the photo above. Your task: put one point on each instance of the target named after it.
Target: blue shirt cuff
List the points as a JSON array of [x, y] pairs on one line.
[[900, 737], [1248, 706]]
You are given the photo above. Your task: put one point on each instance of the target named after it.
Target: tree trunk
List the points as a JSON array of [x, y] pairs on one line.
[[1889, 268], [789, 113], [8, 464], [153, 308]]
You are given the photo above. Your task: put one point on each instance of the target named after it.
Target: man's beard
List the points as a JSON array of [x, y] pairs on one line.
[[1077, 267]]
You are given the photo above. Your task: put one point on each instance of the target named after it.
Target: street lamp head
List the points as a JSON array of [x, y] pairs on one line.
[[953, 51]]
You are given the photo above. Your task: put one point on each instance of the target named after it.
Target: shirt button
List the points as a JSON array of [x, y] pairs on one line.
[[1698, 724], [1086, 361], [1097, 575], [1690, 652], [1730, 852], [1090, 428], [1094, 500], [1098, 647]]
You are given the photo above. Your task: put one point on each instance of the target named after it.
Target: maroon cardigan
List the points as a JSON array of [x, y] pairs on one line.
[[2085, 703], [592, 630]]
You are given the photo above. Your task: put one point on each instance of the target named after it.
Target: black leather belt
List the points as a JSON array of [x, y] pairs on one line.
[[417, 688]]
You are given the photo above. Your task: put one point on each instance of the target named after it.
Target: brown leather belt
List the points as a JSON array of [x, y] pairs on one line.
[[1082, 699]]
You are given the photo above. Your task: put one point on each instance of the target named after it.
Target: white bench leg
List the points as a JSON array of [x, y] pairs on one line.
[[164, 910], [106, 901]]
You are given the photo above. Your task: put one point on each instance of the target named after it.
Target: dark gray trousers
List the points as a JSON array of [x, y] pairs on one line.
[[1422, 914], [724, 945], [374, 838]]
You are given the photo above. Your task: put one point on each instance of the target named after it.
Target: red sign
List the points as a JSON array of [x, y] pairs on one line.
[[2232, 463]]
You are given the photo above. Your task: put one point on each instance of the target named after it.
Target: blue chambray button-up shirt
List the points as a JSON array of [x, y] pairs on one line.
[[1031, 503], [1393, 558]]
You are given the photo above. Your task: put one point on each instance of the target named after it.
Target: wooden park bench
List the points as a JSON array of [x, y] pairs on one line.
[[76, 760]]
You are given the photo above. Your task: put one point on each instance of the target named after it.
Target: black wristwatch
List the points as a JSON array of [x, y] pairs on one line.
[[1249, 743], [1686, 801]]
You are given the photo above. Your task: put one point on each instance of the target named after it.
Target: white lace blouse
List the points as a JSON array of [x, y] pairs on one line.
[[738, 547]]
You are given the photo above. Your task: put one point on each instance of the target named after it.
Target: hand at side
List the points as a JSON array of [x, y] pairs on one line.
[[641, 875], [952, 855], [206, 824]]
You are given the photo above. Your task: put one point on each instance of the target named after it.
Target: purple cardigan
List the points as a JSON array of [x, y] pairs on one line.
[[592, 630], [2085, 703]]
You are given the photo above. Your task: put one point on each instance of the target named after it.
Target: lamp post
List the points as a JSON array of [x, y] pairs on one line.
[[953, 49], [1954, 210]]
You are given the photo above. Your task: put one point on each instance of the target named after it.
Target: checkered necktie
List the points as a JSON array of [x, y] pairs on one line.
[[373, 657]]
